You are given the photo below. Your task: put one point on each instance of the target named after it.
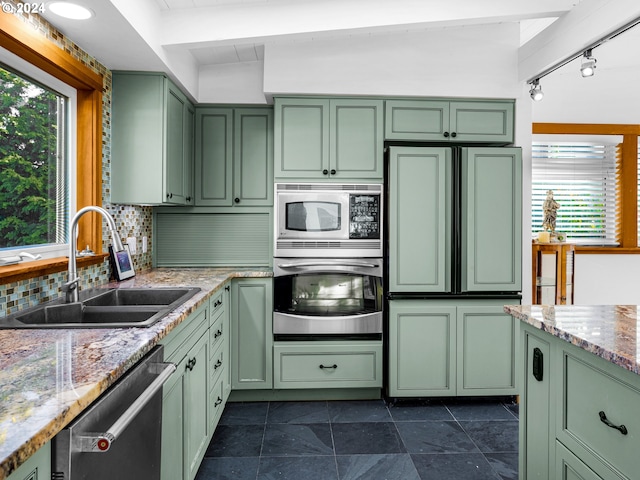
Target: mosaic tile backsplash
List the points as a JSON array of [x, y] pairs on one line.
[[131, 221]]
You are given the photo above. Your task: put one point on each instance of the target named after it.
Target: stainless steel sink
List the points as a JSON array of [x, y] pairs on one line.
[[104, 308]]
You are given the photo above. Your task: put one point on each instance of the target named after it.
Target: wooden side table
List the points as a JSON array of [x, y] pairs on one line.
[[553, 270]]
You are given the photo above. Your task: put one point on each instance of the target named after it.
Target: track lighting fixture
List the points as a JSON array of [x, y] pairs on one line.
[[588, 67], [536, 90]]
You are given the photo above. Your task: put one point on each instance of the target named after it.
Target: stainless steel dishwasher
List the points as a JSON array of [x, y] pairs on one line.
[[119, 435]]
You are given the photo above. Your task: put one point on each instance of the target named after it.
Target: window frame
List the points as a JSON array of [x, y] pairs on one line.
[[19, 37], [30, 72], [628, 179]]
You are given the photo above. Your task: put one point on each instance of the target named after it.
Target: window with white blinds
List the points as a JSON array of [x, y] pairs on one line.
[[583, 179]]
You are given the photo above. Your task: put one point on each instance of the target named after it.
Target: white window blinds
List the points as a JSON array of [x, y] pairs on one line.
[[583, 179]]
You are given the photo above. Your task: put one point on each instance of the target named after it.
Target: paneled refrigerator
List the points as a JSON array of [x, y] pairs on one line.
[[454, 249]]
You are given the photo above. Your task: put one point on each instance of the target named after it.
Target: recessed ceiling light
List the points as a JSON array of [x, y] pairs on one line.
[[70, 10]]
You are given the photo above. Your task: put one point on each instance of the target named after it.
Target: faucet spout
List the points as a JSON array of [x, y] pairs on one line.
[[71, 286]]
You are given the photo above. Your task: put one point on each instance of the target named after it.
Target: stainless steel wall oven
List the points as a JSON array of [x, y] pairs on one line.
[[327, 297]]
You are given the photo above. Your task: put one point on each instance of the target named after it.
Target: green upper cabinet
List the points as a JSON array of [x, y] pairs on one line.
[[152, 141], [454, 121], [491, 206], [338, 139], [420, 191], [234, 156]]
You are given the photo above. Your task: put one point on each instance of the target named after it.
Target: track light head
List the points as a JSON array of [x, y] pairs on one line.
[[588, 67], [536, 93]]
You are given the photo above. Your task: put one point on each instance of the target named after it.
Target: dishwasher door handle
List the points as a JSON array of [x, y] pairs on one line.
[[101, 442]]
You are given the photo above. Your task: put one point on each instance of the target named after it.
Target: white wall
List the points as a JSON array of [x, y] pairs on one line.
[[472, 61], [607, 279]]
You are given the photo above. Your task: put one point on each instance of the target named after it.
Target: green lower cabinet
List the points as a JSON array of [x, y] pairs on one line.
[[451, 348], [251, 333], [487, 342], [185, 430], [565, 392], [569, 467], [37, 467], [339, 364], [422, 345], [535, 413]]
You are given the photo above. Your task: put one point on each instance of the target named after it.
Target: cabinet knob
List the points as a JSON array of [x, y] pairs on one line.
[[454, 134], [218, 402], [333, 171], [325, 172], [237, 200], [188, 199], [446, 134], [227, 288]]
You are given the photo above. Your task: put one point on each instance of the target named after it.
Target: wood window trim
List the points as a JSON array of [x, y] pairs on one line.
[[22, 39], [628, 178]]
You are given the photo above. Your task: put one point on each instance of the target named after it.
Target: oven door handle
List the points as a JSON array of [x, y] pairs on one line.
[[101, 442], [327, 264]]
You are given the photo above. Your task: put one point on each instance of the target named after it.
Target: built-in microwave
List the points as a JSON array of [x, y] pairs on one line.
[[337, 220]]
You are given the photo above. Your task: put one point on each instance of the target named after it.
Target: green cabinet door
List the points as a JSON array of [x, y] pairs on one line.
[[301, 137], [450, 121], [253, 157], [491, 208], [482, 121], [416, 120], [570, 467], [536, 430], [151, 151], [330, 139], [234, 156], [420, 219], [487, 349], [214, 156], [356, 139], [172, 464], [422, 349], [196, 400], [37, 467], [176, 120], [251, 333]]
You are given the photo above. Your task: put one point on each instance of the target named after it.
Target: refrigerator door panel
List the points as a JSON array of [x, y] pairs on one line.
[[420, 216], [491, 219]]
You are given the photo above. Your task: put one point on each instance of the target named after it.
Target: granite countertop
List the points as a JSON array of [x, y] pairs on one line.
[[611, 332], [49, 376]]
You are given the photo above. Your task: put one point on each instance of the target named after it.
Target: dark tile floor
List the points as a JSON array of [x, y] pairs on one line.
[[340, 440]]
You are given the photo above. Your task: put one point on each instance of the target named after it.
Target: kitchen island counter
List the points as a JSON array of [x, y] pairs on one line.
[[49, 376], [609, 331], [579, 391]]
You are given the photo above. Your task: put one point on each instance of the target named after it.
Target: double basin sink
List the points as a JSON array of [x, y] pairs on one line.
[[104, 308]]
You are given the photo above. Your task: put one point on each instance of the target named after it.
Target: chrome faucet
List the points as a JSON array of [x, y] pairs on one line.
[[70, 288]]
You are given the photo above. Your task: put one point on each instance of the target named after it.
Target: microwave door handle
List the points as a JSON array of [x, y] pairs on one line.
[[327, 264]]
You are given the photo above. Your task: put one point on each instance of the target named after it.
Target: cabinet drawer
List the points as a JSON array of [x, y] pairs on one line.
[[586, 391], [328, 365], [217, 364], [216, 334], [569, 467], [216, 404], [217, 305]]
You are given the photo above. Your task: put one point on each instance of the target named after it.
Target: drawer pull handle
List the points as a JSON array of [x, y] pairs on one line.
[[218, 402], [217, 365], [217, 334], [603, 418], [334, 366]]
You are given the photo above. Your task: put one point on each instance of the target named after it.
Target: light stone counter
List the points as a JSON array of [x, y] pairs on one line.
[[49, 376], [611, 332]]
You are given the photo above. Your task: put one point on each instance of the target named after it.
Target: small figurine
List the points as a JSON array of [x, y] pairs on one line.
[[549, 207]]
